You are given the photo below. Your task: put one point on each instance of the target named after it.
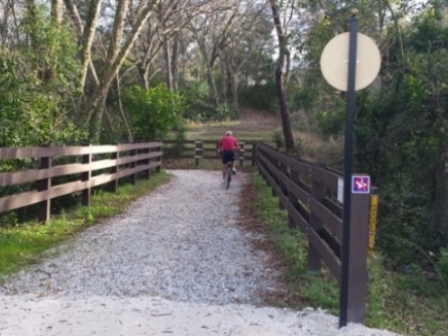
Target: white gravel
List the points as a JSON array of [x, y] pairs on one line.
[[175, 263]]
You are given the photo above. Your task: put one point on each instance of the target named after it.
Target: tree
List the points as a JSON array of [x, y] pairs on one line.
[[116, 54], [211, 32], [249, 39], [283, 58]]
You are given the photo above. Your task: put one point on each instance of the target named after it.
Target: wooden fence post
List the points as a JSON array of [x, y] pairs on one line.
[[161, 157], [284, 187], [147, 172], [275, 162], [197, 151], [44, 211], [241, 156], [260, 164], [113, 185], [254, 153], [318, 194], [293, 178], [133, 164], [86, 159], [273, 192]]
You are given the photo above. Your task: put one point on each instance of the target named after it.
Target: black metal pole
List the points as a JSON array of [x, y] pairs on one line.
[[348, 162]]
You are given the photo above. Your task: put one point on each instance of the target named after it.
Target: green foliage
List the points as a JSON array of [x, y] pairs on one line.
[[317, 289], [154, 112], [278, 139], [298, 147], [400, 140], [442, 265], [331, 123], [406, 303], [304, 98], [37, 86], [322, 293], [200, 108], [261, 97], [226, 111], [197, 102]]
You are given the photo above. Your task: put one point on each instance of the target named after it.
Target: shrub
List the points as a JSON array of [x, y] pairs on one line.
[[277, 138], [153, 112], [261, 96], [331, 123], [197, 104], [442, 265]]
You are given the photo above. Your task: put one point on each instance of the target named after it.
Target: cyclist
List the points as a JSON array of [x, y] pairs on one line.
[[227, 147]]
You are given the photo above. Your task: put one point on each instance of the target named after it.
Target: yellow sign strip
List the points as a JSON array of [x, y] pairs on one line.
[[373, 221]]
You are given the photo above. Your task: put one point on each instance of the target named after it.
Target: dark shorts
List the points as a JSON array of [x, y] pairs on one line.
[[228, 156]]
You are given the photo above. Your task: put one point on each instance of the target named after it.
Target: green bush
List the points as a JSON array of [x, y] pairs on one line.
[[261, 97], [442, 265], [197, 102], [153, 112], [226, 111], [277, 138], [331, 123]]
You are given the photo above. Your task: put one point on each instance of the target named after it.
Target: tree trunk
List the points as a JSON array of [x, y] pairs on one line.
[[214, 95], [229, 78], [175, 61], [143, 76], [122, 114], [279, 80], [32, 16], [56, 10], [87, 39], [97, 101], [169, 67]]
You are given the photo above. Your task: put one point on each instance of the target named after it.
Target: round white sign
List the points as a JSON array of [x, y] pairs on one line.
[[334, 61]]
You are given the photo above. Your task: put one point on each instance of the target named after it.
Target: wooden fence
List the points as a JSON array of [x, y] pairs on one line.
[[309, 194], [204, 149], [94, 166]]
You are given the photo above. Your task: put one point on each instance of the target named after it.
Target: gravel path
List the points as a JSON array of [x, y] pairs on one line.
[[175, 262]]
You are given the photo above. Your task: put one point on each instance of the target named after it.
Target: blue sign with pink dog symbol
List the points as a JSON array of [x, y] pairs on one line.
[[361, 184]]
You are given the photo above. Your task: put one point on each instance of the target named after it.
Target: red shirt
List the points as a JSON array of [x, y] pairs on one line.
[[228, 143]]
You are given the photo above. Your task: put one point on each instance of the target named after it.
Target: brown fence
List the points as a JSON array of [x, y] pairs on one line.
[[96, 165], [309, 194], [204, 149]]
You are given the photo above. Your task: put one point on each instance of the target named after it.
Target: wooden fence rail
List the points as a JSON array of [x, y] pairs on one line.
[[204, 149], [309, 194], [92, 169]]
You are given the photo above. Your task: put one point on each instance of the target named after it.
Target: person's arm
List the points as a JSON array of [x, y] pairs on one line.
[[237, 146]]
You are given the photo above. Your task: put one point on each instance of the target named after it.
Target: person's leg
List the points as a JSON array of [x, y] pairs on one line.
[[232, 160], [224, 163], [223, 171]]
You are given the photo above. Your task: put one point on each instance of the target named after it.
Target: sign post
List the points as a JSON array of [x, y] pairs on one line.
[[350, 74], [348, 163]]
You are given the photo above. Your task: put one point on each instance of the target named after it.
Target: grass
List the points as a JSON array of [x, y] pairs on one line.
[[266, 127], [243, 129], [408, 304], [24, 244], [314, 289]]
